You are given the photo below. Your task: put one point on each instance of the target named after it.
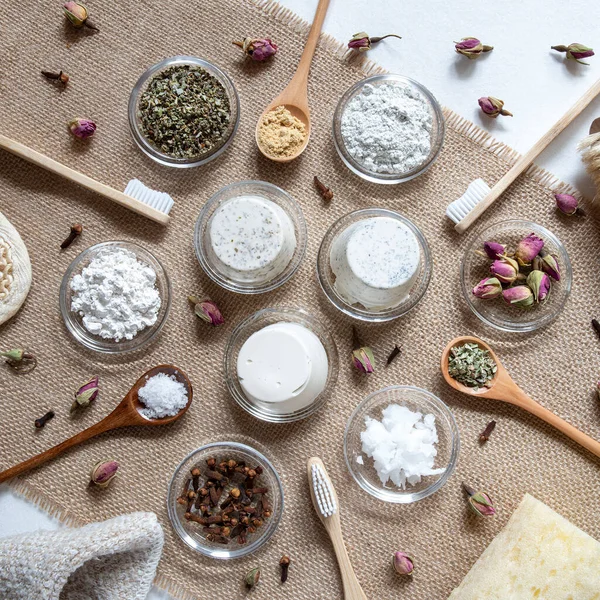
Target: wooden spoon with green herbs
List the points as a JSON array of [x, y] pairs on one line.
[[502, 387]]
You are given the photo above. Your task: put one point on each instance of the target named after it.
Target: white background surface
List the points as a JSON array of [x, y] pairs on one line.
[[537, 85]]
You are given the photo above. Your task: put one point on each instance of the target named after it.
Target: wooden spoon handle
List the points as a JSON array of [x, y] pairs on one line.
[[569, 430], [104, 425], [311, 42], [352, 589]]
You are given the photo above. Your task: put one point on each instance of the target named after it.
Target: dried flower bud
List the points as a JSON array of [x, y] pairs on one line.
[[528, 248], [567, 204], [104, 472], [78, 15], [505, 269], [82, 128], [207, 310], [60, 76], [403, 563], [550, 265], [575, 52], [471, 47], [363, 359], [493, 107], [539, 283], [520, 296], [479, 502], [494, 250], [20, 360], [488, 288], [362, 42], [252, 577], [86, 394], [258, 49]]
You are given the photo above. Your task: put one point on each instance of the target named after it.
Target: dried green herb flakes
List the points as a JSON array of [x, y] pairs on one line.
[[471, 366], [184, 112]]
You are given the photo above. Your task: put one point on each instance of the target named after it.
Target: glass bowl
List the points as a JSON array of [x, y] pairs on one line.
[[135, 123], [206, 256], [327, 278], [74, 322], [192, 533], [416, 399], [437, 130], [254, 323], [496, 312]]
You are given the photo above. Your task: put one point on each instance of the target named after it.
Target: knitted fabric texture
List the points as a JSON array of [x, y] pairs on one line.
[[113, 560]]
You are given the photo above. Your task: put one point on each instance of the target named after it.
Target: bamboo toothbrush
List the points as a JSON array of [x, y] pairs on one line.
[[479, 196], [137, 197], [326, 504]]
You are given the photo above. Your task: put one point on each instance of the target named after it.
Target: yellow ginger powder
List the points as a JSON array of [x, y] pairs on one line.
[[280, 133]]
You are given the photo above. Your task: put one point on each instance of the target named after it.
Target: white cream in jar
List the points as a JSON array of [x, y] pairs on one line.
[[252, 239], [375, 262], [283, 367]]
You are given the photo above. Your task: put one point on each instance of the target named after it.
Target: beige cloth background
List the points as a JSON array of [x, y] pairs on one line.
[[558, 366]]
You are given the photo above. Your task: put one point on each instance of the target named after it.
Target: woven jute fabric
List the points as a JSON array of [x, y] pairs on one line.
[[558, 366]]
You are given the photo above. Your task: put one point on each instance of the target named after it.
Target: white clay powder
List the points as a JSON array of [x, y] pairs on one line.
[[387, 128], [162, 396], [402, 445], [116, 295]]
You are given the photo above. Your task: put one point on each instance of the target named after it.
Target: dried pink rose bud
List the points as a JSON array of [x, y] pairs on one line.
[[505, 269], [520, 296], [78, 15], [363, 358], [539, 283], [479, 502], [550, 265], [488, 288], [104, 472], [403, 563], [207, 310], [575, 52], [471, 47], [494, 250], [362, 42], [528, 248], [567, 204], [258, 49], [493, 107], [86, 394], [82, 128]]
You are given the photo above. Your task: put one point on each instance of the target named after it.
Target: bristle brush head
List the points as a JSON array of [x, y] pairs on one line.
[[158, 200], [323, 492]]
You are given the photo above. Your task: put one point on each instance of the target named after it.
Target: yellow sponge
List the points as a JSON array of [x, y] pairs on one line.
[[539, 555]]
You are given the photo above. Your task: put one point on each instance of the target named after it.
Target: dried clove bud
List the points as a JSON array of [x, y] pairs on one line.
[[484, 436], [60, 76], [82, 128], [86, 394], [539, 283], [252, 577], [39, 423], [76, 230], [258, 49], [325, 192], [20, 360], [471, 47], [362, 356], [284, 561], [78, 15], [393, 354], [598, 390], [505, 270], [568, 204], [520, 296], [104, 472], [528, 248], [403, 563], [207, 310], [596, 326], [488, 288], [575, 52], [362, 42], [479, 502], [493, 107]]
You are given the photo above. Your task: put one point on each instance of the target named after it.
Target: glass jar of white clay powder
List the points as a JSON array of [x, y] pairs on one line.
[[388, 128]]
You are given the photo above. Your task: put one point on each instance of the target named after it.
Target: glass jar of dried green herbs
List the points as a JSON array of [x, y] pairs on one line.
[[183, 111]]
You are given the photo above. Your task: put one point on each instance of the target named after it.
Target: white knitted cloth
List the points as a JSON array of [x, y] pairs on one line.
[[112, 560]]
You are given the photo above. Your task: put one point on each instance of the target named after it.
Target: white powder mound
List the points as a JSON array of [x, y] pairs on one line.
[[116, 295], [402, 445], [387, 128], [163, 396]]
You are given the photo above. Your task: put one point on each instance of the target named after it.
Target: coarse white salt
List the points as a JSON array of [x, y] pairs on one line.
[[162, 396], [402, 445]]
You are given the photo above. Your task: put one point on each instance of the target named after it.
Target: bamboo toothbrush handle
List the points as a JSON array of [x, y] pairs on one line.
[[352, 589], [53, 166], [525, 161]]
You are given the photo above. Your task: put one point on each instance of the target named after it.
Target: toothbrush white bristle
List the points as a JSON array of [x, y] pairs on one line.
[[323, 492], [475, 193], [158, 200]]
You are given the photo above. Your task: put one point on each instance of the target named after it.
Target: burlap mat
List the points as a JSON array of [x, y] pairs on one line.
[[558, 365]]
